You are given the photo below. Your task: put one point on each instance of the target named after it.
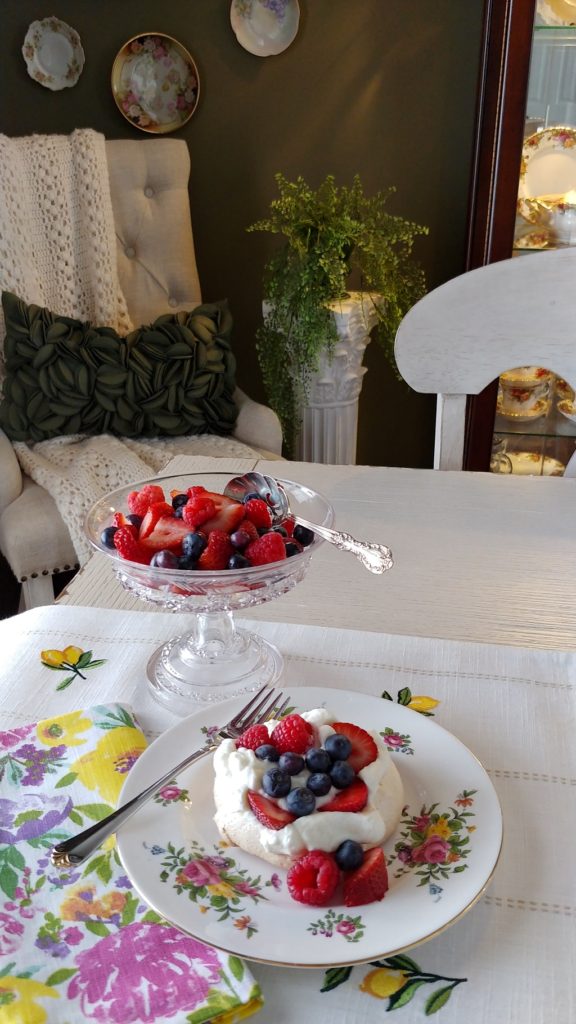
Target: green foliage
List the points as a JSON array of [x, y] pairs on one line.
[[329, 234]]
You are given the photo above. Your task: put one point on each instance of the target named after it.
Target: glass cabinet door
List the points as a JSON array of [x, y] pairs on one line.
[[535, 423]]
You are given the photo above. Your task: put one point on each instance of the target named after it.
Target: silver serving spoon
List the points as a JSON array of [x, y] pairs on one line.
[[375, 557]]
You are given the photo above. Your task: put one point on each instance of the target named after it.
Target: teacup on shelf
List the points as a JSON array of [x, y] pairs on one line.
[[524, 392]]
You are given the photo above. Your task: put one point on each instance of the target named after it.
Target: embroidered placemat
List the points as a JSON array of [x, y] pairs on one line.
[[80, 944]]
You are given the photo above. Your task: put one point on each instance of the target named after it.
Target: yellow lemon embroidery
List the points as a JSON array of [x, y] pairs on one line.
[[423, 703], [24, 1010], [67, 729], [104, 768], [382, 982]]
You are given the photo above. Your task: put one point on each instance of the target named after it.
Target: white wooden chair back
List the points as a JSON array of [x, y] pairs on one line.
[[464, 334]]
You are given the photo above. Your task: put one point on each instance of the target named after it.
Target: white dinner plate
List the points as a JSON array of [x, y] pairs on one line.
[[173, 853], [265, 27]]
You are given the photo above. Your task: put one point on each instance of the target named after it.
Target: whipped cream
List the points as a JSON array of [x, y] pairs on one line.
[[238, 770]]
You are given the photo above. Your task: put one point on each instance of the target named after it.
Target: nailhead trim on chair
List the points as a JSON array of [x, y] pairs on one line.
[[48, 572]]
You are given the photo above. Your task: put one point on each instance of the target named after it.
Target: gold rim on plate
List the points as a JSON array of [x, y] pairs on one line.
[[177, 88]]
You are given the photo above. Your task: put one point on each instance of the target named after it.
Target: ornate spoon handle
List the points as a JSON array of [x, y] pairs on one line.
[[377, 558]]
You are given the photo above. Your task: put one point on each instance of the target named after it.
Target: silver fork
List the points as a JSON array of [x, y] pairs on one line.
[[76, 849]]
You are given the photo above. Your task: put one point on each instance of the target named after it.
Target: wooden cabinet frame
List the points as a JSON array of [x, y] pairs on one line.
[[501, 109]]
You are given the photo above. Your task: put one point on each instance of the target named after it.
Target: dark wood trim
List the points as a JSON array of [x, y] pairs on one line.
[[501, 109]]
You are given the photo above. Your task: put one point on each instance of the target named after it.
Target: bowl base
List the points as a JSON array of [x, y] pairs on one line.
[[182, 673]]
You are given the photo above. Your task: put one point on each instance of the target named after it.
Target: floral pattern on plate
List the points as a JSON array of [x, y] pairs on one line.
[[541, 176], [155, 83], [265, 27], [433, 844], [405, 917], [53, 54]]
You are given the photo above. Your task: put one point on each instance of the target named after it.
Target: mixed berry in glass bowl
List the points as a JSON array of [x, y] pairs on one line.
[[179, 542]]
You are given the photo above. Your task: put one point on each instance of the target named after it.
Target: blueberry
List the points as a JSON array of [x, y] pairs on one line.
[[107, 536], [301, 801], [342, 774], [135, 520], [338, 746], [193, 545], [178, 512], [292, 764], [318, 760], [249, 496], [281, 530], [303, 535], [268, 752], [165, 560], [179, 500], [238, 561], [187, 563], [349, 855], [276, 783], [240, 539], [319, 783], [292, 548]]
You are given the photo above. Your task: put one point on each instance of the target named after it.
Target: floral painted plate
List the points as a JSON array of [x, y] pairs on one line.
[[53, 53], [155, 83], [557, 12], [265, 27], [440, 858], [533, 464], [547, 167], [567, 408]]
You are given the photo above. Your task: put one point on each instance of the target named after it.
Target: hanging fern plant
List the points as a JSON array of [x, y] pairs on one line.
[[329, 233]]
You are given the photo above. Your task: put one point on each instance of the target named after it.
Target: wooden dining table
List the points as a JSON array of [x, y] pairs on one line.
[[472, 631]]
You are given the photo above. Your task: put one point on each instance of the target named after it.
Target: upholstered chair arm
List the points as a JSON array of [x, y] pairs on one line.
[[10, 473], [257, 424]]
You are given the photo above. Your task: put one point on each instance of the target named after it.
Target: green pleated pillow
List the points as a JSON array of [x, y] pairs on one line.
[[62, 376]]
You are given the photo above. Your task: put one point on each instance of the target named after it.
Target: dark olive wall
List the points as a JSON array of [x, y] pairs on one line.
[[385, 88]]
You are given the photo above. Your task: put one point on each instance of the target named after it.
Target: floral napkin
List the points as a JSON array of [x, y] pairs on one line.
[[80, 944]]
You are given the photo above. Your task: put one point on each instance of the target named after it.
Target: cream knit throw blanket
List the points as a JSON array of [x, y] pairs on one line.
[[58, 249]]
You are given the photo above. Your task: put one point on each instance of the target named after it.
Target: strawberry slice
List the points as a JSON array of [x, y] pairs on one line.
[[369, 882], [364, 749], [154, 513], [269, 813], [354, 798], [167, 533], [229, 514]]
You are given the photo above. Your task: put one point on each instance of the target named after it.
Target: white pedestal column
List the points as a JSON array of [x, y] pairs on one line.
[[329, 424]]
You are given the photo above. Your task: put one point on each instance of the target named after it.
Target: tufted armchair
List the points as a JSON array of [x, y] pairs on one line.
[[158, 274]]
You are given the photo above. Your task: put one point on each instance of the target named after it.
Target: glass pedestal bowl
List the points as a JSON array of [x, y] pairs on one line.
[[215, 659]]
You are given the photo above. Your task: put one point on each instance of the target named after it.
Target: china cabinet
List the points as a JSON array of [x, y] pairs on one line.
[[525, 147]]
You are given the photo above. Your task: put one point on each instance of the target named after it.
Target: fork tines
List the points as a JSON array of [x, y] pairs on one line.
[[258, 710]]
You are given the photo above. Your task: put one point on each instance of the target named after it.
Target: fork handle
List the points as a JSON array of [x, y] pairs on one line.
[[78, 848]]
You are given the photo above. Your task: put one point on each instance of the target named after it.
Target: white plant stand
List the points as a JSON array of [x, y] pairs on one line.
[[329, 420]]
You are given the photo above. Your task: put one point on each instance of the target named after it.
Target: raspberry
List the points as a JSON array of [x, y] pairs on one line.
[[257, 512], [292, 735], [313, 879], [193, 492], [268, 548], [254, 737], [139, 501], [247, 527], [128, 546], [198, 510], [217, 552]]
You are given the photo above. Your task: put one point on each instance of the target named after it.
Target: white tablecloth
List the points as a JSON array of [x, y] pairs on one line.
[[513, 707]]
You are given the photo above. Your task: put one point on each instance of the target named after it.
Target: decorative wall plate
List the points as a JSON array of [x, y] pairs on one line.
[[155, 83], [548, 167], [53, 53], [221, 895], [265, 27]]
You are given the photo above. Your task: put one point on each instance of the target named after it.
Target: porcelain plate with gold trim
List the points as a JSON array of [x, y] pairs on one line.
[[155, 83], [440, 859]]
